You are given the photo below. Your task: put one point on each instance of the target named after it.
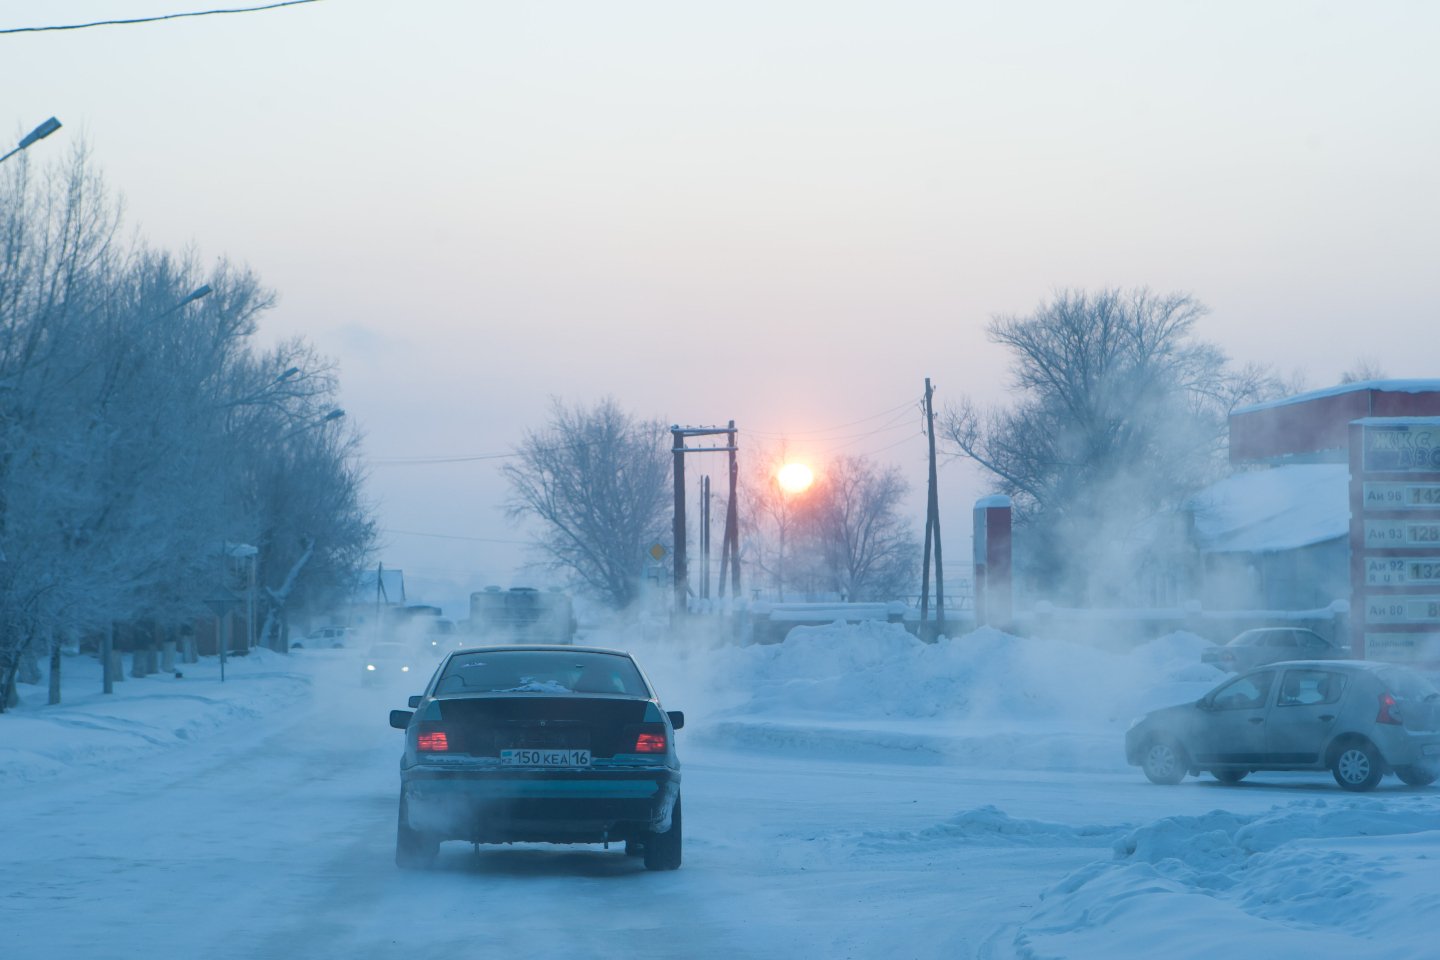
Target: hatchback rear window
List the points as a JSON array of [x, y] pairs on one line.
[[541, 671], [1407, 685]]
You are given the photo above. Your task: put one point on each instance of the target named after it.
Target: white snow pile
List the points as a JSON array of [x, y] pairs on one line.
[[992, 827], [141, 717], [1305, 879], [872, 687]]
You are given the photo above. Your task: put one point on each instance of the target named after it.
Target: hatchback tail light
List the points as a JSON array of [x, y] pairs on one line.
[[1389, 710]]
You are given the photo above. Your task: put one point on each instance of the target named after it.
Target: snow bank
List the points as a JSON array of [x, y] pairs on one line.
[[1308, 878], [143, 716], [987, 697]]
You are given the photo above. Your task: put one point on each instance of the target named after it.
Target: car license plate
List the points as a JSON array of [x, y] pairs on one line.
[[545, 757]]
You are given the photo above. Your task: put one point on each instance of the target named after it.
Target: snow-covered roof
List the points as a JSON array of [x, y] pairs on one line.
[[1387, 386], [1281, 508]]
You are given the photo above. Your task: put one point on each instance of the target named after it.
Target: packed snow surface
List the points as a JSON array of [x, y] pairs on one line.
[[849, 792]]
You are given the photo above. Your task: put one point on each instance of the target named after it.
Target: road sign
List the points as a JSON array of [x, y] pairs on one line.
[[658, 551]]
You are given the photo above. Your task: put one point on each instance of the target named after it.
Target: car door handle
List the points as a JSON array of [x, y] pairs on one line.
[[1257, 719]]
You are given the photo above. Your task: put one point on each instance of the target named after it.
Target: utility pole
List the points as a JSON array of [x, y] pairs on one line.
[[705, 537], [731, 551], [682, 572], [730, 540], [932, 530]]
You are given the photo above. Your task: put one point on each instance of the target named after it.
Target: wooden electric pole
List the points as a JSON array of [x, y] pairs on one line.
[[932, 532], [730, 549]]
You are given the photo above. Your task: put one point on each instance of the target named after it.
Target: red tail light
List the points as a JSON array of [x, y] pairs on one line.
[[650, 743], [1388, 713], [434, 741]]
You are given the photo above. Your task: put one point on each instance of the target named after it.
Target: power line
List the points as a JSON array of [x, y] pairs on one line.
[[426, 461], [549, 448], [167, 16], [450, 536], [839, 426], [896, 413]]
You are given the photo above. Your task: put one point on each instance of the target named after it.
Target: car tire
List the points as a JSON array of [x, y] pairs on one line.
[[413, 850], [1357, 766], [1164, 762], [662, 850], [1230, 776], [1418, 776]]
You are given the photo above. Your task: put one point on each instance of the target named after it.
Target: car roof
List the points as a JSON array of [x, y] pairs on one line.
[[1253, 630], [1345, 666], [540, 648]]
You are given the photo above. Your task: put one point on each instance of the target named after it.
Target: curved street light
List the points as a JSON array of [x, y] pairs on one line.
[[39, 133], [333, 415]]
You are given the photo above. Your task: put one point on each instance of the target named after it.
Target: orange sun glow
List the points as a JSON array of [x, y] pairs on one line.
[[795, 477]]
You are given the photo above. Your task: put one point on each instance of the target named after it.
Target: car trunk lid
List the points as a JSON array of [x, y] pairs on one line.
[[484, 726]]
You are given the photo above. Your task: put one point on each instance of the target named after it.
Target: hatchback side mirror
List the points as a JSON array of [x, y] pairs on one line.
[[677, 718], [413, 702], [400, 719]]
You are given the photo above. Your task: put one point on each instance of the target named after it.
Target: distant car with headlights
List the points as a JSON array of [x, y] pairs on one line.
[[387, 663], [536, 743], [1358, 719], [1263, 645]]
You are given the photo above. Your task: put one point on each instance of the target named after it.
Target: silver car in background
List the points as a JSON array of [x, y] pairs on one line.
[[1264, 645], [1358, 719]]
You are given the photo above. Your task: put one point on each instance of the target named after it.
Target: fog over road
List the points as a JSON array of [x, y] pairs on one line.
[[274, 838]]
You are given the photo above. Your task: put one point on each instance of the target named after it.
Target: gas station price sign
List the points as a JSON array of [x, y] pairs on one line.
[[1402, 496], [1395, 538], [1402, 571], [1395, 447], [1402, 533]]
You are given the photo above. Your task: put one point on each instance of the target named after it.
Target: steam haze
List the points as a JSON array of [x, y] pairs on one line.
[[786, 215]]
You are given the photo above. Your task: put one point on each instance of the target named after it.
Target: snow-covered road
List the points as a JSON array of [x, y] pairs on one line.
[[271, 835]]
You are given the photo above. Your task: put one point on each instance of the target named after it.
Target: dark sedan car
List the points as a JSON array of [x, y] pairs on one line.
[[1264, 645], [554, 744], [1358, 719]]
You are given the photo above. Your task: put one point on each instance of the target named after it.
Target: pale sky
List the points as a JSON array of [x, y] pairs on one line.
[[788, 214]]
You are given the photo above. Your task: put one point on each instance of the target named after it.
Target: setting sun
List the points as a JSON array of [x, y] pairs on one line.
[[795, 477]]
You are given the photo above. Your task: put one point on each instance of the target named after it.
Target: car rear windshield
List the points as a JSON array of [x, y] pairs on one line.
[[541, 671], [1250, 638]]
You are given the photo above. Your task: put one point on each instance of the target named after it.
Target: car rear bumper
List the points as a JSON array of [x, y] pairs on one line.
[[560, 806]]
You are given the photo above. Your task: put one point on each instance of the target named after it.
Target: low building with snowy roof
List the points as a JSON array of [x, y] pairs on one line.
[[1275, 533]]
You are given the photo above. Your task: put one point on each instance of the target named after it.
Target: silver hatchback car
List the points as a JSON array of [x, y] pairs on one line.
[[1358, 719]]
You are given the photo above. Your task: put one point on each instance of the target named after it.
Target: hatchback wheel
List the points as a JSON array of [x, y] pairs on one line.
[[1357, 766], [1164, 762], [1418, 776]]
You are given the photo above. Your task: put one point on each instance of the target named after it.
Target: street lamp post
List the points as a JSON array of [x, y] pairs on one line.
[[333, 415], [39, 133]]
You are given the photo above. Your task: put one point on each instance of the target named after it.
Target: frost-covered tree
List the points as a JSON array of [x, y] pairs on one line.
[[1121, 414], [597, 481], [126, 455], [867, 549], [843, 536]]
